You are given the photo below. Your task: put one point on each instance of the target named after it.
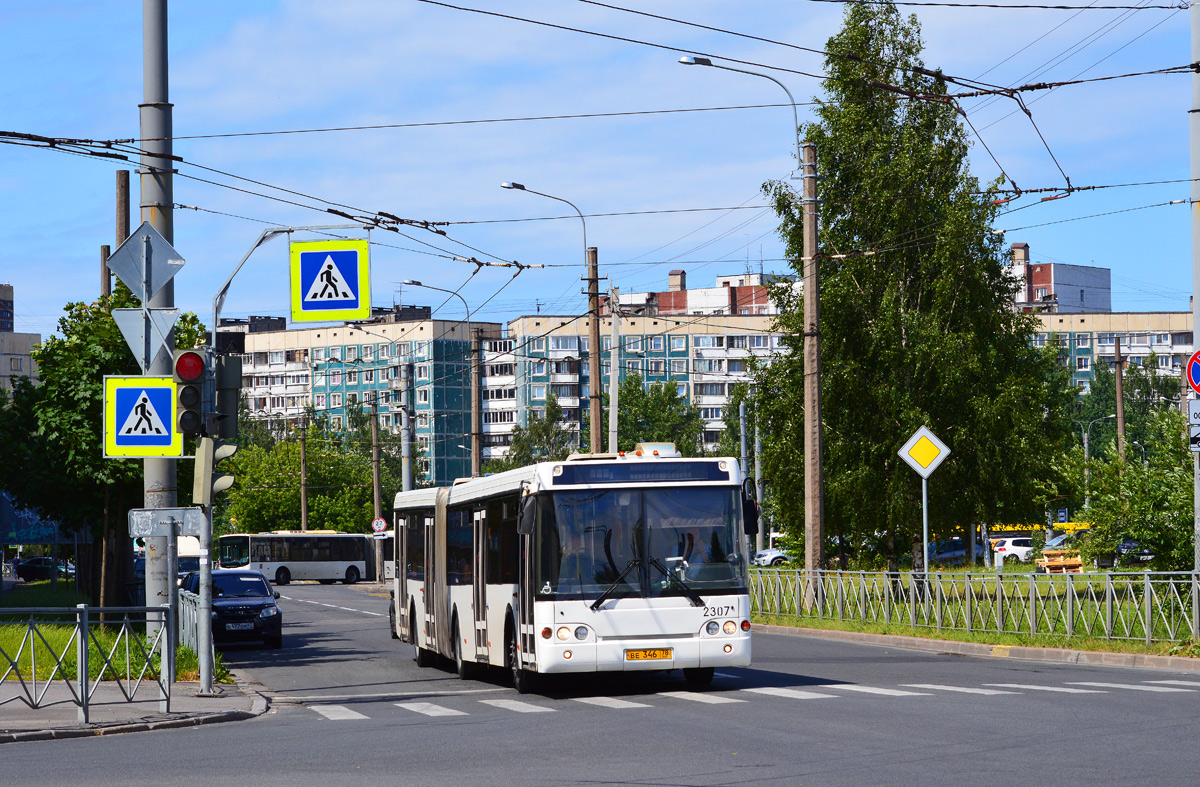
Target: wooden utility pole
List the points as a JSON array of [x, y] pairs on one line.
[[594, 385], [814, 480], [1120, 403], [303, 476]]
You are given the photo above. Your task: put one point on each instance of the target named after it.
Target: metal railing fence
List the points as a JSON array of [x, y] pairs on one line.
[[189, 616], [1146, 606], [100, 643]]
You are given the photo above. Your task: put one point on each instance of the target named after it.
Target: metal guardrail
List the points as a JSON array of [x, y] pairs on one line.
[[129, 662], [1146, 606], [189, 616]]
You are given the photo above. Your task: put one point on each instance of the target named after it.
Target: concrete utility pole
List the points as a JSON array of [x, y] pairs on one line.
[[476, 415], [155, 174], [1120, 402], [614, 367], [1194, 147], [303, 475], [758, 486], [814, 478], [377, 492], [406, 480], [594, 385]]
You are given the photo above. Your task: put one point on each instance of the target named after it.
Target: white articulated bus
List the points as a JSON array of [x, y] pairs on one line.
[[596, 563], [282, 555]]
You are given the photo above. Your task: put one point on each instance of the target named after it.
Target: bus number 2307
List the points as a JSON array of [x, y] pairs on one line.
[[713, 612]]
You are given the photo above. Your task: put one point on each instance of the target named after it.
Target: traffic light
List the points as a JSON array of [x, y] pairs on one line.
[[191, 372], [208, 481], [229, 393]]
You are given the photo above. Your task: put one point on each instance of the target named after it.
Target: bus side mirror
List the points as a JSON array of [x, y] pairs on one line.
[[750, 516], [527, 518]]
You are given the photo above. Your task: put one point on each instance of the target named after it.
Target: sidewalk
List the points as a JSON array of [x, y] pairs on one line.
[[111, 714]]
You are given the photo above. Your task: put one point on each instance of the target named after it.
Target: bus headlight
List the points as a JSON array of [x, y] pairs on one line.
[[581, 632], [730, 627], [713, 628], [564, 632]]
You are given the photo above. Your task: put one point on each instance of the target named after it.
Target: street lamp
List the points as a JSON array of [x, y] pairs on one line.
[[1145, 461], [593, 324], [1087, 471], [476, 452], [692, 60]]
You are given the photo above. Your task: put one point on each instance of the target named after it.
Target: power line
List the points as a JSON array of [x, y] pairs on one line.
[[1092, 216], [1177, 7]]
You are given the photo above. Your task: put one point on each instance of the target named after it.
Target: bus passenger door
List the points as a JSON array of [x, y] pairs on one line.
[[479, 584], [399, 575], [433, 585], [525, 592]]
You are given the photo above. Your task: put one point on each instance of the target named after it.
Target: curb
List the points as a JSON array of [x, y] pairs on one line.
[[258, 707], [1021, 652]]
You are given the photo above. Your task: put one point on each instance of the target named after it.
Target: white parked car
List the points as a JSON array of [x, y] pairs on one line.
[[1008, 548], [771, 557]]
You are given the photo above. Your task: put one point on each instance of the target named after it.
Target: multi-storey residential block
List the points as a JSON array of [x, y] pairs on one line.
[[16, 349], [1085, 340], [1059, 287], [745, 293], [395, 361]]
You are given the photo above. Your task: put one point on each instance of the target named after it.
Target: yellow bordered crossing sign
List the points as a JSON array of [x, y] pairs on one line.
[[330, 280], [139, 418]]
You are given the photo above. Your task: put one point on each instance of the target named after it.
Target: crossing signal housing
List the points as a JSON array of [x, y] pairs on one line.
[[209, 481], [191, 372]]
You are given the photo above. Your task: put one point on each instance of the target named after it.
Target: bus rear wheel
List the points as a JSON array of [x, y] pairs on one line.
[[283, 576], [523, 680], [698, 676], [351, 575]]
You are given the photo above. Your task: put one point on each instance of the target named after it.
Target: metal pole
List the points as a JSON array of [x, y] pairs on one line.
[[377, 492], [595, 444], [157, 198], [814, 481], [303, 476], [1194, 148], [476, 416], [1120, 403], [406, 479], [758, 484], [614, 367], [1087, 470], [925, 526]]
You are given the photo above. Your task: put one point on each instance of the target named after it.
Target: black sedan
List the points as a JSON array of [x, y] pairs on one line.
[[244, 606], [43, 568]]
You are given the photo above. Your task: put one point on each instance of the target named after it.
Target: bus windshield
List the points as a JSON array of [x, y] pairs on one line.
[[639, 543], [235, 551]]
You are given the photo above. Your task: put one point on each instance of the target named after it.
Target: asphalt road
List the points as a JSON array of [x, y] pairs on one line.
[[349, 704]]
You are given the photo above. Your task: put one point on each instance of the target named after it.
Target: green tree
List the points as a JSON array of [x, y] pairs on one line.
[[653, 413], [920, 330], [1147, 394], [543, 438]]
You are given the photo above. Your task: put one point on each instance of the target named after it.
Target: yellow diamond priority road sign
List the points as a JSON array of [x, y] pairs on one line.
[[924, 452]]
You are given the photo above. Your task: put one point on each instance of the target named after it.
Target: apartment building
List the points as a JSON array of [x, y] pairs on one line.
[[745, 293], [16, 349], [1087, 339], [1059, 287]]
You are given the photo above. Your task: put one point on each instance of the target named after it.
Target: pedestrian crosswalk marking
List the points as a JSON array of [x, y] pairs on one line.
[[960, 689], [794, 694], [611, 702], [1059, 689], [875, 690], [429, 709], [143, 419], [329, 284], [711, 699], [518, 706], [337, 712], [1130, 686]]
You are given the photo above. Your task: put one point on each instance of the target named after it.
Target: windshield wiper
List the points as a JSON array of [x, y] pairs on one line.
[[692, 595], [609, 590]]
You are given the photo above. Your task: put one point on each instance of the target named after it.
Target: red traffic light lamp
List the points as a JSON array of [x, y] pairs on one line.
[[190, 370]]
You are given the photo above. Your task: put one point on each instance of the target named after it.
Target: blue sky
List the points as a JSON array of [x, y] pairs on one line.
[[73, 69]]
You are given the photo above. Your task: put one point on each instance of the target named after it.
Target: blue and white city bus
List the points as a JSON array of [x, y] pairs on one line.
[[599, 563]]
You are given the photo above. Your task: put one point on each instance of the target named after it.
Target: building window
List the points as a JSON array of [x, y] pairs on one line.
[[564, 343], [712, 436], [710, 413], [318, 353], [1164, 362], [633, 344], [565, 391], [320, 405], [501, 370], [710, 389], [335, 400], [499, 416], [654, 367], [1083, 364], [564, 367], [681, 390], [679, 366], [422, 371], [422, 396], [634, 366], [538, 344], [537, 367], [656, 343], [384, 351], [1040, 293], [368, 352], [335, 353], [1039, 340], [276, 356], [369, 376], [1162, 338], [678, 342], [385, 420], [352, 378], [337, 422], [708, 365], [737, 367], [335, 378], [423, 442], [537, 392], [352, 398], [423, 421], [739, 342], [1106, 339], [14, 364], [1083, 341], [708, 341]]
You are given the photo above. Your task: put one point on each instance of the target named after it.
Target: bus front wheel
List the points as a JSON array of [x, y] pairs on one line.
[[283, 576], [351, 575], [523, 680]]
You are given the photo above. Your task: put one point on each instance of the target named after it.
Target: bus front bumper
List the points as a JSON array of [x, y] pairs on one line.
[[626, 655]]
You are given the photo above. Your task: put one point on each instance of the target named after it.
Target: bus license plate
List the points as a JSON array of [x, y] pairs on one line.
[[239, 626], [639, 655]]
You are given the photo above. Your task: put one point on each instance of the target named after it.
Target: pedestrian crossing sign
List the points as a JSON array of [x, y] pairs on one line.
[[330, 280], [139, 418]]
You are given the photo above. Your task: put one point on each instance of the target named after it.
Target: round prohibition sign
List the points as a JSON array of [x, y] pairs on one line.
[[379, 525], [1193, 371]]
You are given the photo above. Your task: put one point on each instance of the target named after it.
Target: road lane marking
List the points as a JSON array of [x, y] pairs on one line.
[[1058, 689], [337, 712], [518, 706], [875, 690], [389, 695], [794, 694], [1177, 682], [726, 675], [1130, 686], [333, 606], [429, 709], [961, 689], [711, 699], [611, 702]]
